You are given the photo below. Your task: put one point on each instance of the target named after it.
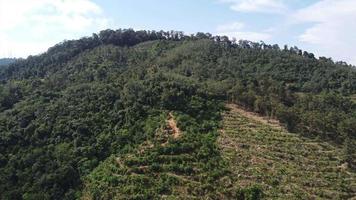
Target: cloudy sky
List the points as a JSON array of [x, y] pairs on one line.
[[324, 27]]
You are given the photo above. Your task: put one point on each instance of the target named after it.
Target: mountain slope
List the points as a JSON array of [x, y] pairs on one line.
[[67, 114], [257, 155], [168, 167], [285, 165]]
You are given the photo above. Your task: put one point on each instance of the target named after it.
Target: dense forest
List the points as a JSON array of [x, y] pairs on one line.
[[66, 111]]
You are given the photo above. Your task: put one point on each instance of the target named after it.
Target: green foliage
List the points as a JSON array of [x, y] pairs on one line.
[[347, 128], [65, 112]]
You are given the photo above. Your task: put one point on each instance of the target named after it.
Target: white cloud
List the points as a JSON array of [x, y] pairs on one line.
[[330, 32], [333, 28], [258, 6], [230, 27], [13, 48], [235, 30], [251, 36], [31, 26]]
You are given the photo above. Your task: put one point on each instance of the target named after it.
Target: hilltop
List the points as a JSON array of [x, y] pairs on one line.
[[139, 114]]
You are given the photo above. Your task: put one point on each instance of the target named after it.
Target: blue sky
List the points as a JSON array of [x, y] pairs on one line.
[[324, 27]]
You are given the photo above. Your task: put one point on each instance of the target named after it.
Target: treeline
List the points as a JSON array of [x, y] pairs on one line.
[[61, 53], [328, 116]]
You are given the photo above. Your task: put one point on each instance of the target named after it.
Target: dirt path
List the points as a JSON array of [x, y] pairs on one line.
[[173, 125], [184, 178], [251, 115]]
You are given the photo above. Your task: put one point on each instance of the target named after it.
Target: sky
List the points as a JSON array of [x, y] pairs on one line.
[[323, 27]]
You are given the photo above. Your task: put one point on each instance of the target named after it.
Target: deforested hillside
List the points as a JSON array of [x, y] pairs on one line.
[[136, 115], [170, 165], [285, 165]]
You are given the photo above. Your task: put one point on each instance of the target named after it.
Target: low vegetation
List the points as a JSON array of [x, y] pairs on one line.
[[168, 167], [286, 165]]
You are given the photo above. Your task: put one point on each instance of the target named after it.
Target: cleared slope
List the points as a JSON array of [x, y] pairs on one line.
[[170, 166], [286, 165]]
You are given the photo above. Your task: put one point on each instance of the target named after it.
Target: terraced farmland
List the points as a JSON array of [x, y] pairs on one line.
[[187, 165], [285, 165]]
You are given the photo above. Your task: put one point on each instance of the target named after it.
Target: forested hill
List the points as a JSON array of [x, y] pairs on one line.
[[67, 111], [288, 65]]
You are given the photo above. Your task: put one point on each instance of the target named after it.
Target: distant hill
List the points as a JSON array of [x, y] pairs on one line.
[[6, 61], [141, 115]]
